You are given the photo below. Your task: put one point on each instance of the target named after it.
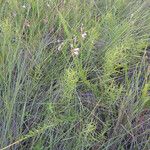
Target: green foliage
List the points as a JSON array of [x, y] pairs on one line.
[[74, 75]]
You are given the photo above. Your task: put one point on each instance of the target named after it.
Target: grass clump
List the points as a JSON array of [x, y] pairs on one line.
[[74, 75]]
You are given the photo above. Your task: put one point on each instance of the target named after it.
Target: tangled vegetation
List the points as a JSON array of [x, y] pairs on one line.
[[74, 74]]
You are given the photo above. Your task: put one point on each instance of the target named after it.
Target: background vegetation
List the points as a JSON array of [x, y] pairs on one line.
[[74, 74]]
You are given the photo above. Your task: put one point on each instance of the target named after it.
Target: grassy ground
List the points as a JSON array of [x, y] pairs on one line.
[[74, 74]]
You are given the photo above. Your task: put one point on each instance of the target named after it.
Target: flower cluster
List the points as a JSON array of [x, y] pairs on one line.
[[75, 50]]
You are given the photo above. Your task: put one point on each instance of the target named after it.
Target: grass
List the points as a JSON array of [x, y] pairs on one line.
[[74, 75]]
